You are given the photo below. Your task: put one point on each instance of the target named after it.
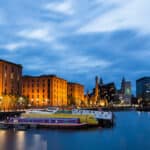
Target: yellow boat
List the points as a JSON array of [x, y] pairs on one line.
[[89, 119]]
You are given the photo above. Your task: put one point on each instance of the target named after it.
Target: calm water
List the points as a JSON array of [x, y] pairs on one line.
[[132, 131]]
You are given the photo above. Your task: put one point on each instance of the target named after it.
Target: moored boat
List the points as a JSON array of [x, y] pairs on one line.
[[88, 119], [49, 110], [105, 119], [64, 123]]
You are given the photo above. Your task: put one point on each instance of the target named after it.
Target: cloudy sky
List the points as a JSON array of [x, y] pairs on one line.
[[78, 39]]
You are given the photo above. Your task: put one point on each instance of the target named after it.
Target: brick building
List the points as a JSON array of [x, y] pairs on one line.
[[10, 78], [45, 90], [75, 93]]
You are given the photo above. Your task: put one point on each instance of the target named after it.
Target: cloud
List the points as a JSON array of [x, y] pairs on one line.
[[13, 46], [77, 39], [130, 15], [64, 7], [80, 62], [2, 17], [38, 34]]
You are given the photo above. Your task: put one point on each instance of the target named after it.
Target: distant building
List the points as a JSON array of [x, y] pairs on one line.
[[108, 91], [45, 90], [125, 91], [95, 98], [143, 88], [75, 93], [10, 78]]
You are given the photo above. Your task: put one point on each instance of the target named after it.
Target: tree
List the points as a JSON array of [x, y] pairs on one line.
[[7, 102], [22, 102], [71, 100]]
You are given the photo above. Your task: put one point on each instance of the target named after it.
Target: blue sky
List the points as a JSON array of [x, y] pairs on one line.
[[78, 39]]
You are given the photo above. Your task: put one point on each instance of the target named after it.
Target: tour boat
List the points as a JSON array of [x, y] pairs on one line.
[[89, 119], [21, 123], [49, 110], [104, 118]]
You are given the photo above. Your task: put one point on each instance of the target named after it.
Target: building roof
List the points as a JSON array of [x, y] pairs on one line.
[[143, 78], [75, 83], [42, 76], [8, 62], [108, 84]]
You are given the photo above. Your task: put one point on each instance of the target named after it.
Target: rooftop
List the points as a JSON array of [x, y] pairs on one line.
[[42, 76], [8, 62], [75, 83], [143, 78]]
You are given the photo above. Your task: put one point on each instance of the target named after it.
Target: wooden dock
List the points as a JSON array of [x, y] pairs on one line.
[[7, 125]]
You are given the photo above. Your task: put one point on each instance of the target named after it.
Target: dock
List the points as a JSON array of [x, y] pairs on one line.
[[24, 126]]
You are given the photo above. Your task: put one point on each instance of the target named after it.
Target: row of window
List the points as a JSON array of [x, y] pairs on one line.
[[43, 96]]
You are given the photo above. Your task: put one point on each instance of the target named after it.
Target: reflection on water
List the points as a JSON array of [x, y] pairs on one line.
[[2, 139], [132, 131], [19, 140]]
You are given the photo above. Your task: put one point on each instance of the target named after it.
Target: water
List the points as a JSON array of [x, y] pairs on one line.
[[132, 131]]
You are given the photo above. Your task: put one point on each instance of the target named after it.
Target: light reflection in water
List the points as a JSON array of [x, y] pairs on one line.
[[20, 140], [2, 139], [38, 143], [139, 113]]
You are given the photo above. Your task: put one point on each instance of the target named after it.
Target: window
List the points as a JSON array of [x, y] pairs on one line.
[[6, 67], [5, 91], [12, 69], [12, 75]]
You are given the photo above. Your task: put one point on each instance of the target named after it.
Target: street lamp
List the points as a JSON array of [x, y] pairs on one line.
[[37, 101], [21, 101], [1, 99]]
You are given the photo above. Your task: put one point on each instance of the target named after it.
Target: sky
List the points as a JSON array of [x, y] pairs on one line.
[[78, 39]]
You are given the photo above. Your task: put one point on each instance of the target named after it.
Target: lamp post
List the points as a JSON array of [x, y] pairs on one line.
[[43, 102], [1, 101], [37, 101], [21, 102], [0, 105], [47, 102], [32, 104]]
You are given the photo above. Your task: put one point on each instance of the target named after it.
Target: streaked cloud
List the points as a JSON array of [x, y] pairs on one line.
[[36, 34], [86, 63], [131, 14], [13, 46], [64, 7]]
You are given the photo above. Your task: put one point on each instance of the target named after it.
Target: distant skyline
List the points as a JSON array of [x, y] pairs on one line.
[[78, 40]]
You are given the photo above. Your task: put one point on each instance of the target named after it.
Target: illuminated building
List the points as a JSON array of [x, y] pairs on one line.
[[125, 91], [108, 91], [94, 97], [143, 89], [102, 94], [45, 90], [75, 93], [10, 78]]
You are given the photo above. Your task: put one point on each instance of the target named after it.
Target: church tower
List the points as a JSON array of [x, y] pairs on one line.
[[96, 94], [123, 85]]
